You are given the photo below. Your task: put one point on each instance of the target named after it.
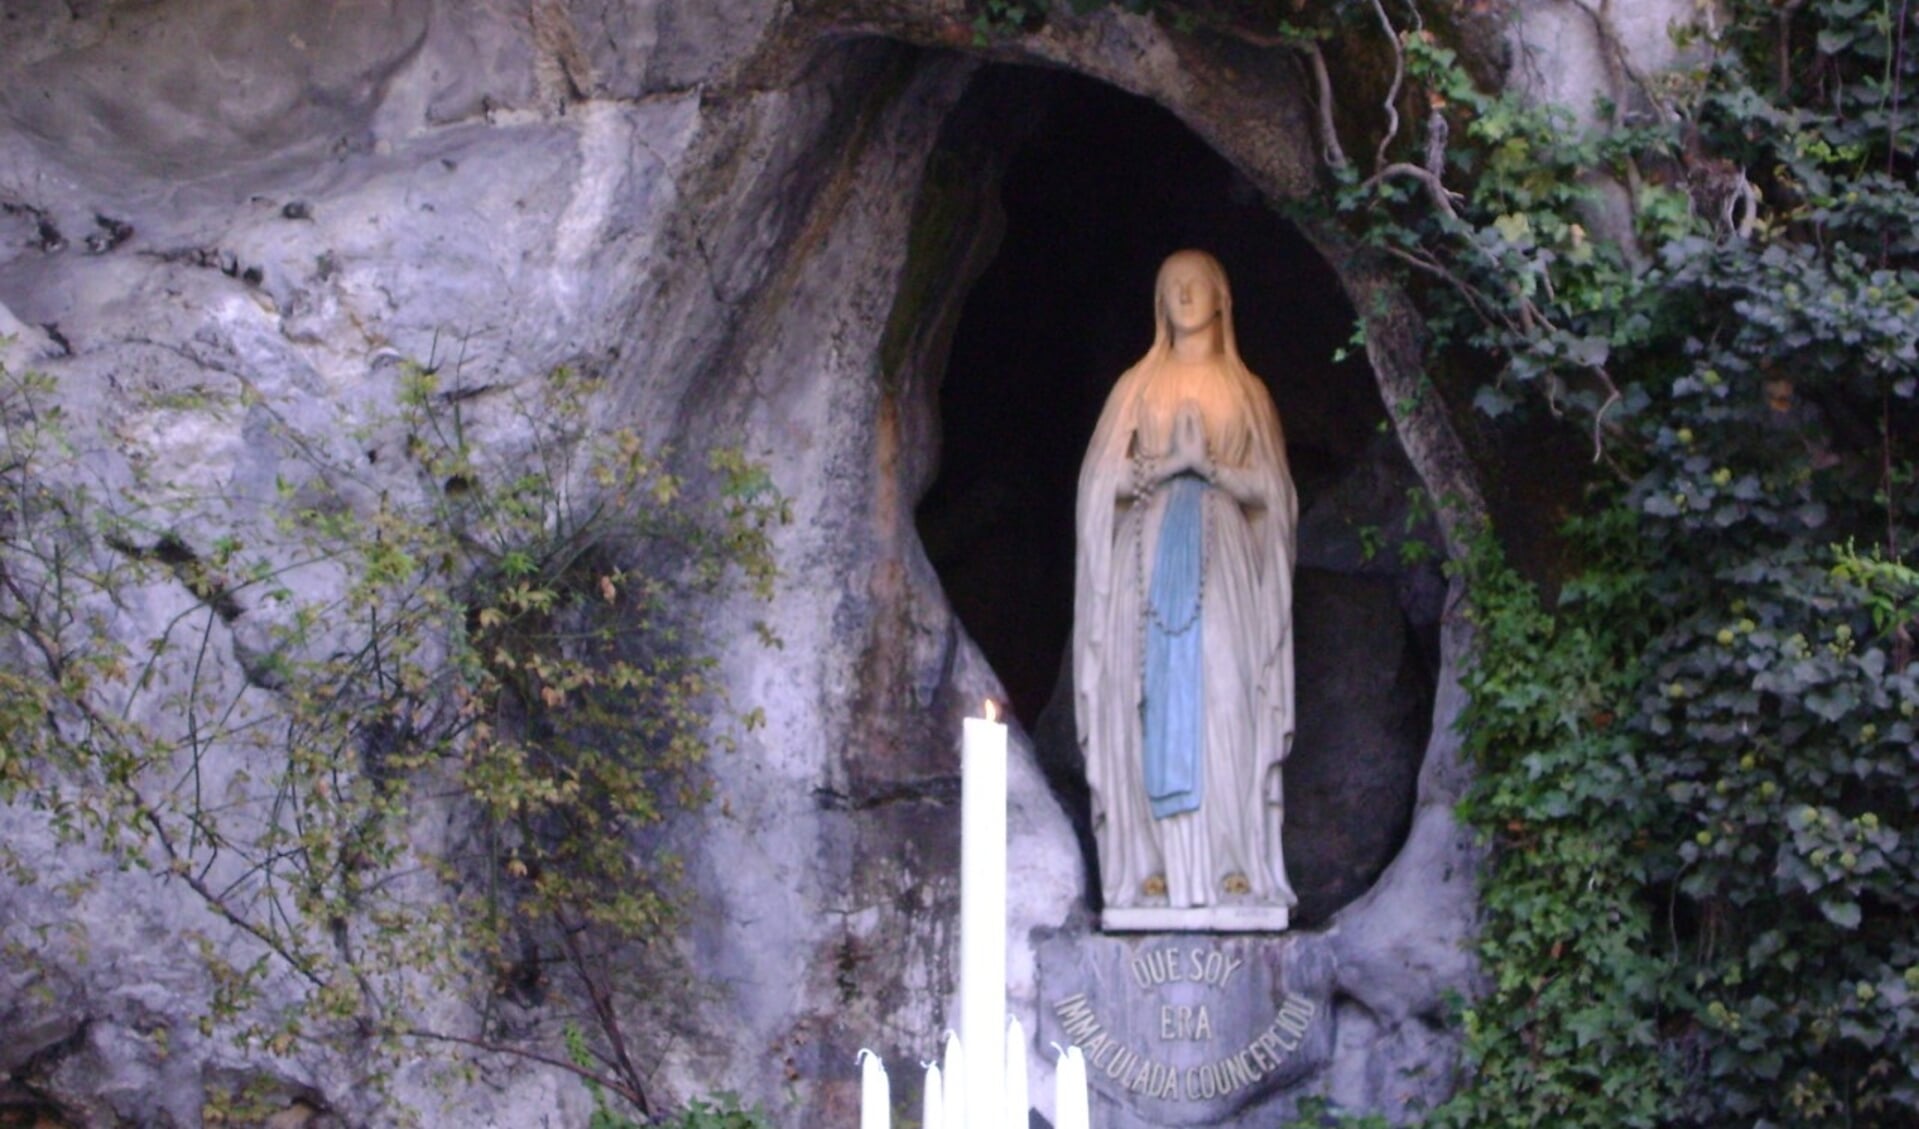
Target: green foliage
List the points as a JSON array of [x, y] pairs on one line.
[[726, 1115], [1566, 1034], [506, 650], [1319, 1113], [698, 1113], [1696, 766]]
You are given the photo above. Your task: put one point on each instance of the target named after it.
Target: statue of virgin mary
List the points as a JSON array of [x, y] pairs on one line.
[[1182, 624]]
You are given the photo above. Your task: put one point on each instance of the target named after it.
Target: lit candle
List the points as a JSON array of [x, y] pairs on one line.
[[1015, 1074], [983, 914], [1071, 1109], [876, 1104], [953, 1084], [932, 1106]]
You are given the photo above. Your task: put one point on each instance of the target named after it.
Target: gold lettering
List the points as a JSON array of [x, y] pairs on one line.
[[1202, 1025]]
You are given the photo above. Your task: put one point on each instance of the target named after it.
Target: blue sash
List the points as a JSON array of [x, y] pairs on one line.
[[1173, 711]]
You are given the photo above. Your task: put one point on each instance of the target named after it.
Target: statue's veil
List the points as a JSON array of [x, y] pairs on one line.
[[1162, 347]]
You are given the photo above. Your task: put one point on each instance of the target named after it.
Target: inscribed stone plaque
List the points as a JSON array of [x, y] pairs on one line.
[[1189, 1028]]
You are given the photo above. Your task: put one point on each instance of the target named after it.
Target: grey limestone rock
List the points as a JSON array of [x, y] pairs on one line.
[[220, 216]]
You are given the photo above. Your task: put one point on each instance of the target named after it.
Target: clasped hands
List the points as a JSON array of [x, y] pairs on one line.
[[1189, 448]]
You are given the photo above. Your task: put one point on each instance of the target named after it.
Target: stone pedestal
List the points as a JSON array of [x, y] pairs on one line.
[[1188, 1028], [1204, 919]]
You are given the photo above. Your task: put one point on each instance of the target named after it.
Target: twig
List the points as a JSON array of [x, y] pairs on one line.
[[1886, 478], [219, 905], [604, 1013], [1453, 280], [1442, 196], [1895, 68], [1392, 92], [1782, 43], [1619, 59], [1599, 417], [572, 1068], [1328, 136]]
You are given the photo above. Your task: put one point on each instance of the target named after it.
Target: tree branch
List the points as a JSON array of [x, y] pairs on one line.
[[488, 1045], [1443, 197], [604, 1013], [1335, 156], [1392, 92]]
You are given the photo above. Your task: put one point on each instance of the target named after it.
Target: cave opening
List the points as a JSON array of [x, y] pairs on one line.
[[1079, 191]]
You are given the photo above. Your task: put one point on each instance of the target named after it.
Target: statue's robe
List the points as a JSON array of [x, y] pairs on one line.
[[1245, 657]]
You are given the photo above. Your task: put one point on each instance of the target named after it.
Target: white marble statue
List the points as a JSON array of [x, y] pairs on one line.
[[1182, 624]]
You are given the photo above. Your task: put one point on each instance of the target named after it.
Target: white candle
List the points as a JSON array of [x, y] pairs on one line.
[[876, 1104], [953, 1084], [1071, 1104], [1015, 1074], [983, 914], [932, 1104]]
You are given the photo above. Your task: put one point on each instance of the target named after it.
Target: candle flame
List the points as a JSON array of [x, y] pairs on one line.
[[992, 710]]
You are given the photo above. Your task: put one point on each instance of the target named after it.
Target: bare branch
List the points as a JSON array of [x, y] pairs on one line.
[[604, 1013], [1618, 61], [1465, 290], [1392, 92], [1328, 135], [572, 1068], [1442, 196], [1599, 417]]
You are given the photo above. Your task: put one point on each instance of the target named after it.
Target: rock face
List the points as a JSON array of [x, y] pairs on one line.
[[224, 225]]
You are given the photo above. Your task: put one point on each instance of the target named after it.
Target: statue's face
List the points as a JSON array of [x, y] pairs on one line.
[[1192, 300]]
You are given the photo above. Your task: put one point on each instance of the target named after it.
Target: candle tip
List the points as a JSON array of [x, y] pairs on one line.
[[992, 710]]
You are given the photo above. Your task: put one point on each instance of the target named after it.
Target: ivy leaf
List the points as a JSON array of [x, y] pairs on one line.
[[1843, 912], [1493, 400], [1515, 228], [1589, 351]]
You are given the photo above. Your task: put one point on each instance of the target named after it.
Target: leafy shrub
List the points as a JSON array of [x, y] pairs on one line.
[[1697, 764], [506, 651]]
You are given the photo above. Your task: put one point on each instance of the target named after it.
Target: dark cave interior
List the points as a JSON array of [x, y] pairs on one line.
[[1098, 188], [1095, 188]]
